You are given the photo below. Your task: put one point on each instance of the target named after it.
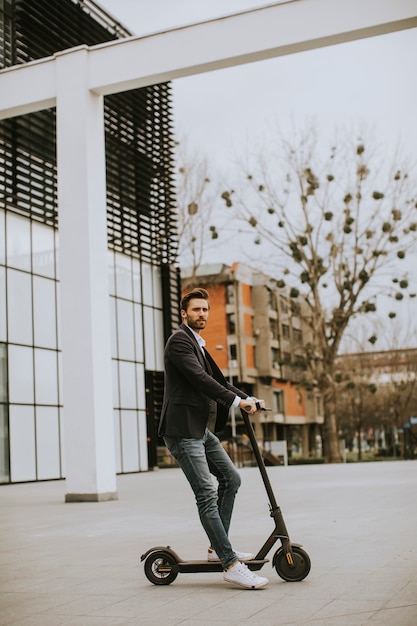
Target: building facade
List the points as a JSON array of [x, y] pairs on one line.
[[141, 237], [255, 333]]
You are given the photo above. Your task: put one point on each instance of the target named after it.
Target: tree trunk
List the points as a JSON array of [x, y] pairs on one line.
[[332, 452]]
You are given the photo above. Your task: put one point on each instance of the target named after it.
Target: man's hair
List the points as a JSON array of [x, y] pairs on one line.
[[200, 293]]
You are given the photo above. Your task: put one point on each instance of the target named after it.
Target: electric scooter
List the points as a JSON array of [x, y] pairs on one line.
[[162, 564]]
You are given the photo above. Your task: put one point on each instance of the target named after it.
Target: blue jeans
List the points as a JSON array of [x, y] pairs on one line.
[[199, 459]]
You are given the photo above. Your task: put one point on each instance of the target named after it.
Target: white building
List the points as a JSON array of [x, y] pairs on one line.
[[142, 286]]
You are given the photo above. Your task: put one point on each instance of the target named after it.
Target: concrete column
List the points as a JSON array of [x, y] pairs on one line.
[[90, 465]]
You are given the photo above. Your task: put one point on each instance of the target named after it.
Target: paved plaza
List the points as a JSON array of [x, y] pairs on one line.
[[79, 563]]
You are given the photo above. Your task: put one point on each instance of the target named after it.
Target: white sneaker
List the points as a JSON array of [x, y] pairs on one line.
[[241, 575], [242, 556]]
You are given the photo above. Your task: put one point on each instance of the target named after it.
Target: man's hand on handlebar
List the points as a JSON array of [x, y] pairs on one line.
[[251, 405]]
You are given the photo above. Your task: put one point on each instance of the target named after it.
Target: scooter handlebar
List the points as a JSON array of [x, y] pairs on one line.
[[258, 407]]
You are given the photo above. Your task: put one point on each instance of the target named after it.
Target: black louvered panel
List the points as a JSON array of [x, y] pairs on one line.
[[138, 125], [43, 27], [171, 297], [28, 177]]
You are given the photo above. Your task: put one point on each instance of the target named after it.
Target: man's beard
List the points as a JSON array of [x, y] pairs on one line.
[[195, 324]]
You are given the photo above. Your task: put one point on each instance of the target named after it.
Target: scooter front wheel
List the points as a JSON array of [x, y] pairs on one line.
[[158, 568], [292, 572]]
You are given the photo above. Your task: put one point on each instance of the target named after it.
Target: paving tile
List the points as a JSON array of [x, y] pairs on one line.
[[79, 564]]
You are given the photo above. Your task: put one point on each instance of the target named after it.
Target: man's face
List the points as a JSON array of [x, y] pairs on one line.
[[196, 314]]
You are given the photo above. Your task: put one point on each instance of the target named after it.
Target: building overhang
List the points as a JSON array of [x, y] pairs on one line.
[[255, 35]]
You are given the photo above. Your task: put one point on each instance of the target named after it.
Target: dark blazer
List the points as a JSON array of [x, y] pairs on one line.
[[191, 381]]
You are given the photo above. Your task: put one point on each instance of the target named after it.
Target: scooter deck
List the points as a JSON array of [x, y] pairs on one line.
[[191, 567]]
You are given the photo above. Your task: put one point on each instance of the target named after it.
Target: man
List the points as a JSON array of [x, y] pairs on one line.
[[196, 403]]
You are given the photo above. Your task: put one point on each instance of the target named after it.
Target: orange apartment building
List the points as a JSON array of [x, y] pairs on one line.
[[254, 335]]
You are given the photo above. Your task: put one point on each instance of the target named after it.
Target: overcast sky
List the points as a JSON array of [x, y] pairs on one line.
[[369, 84]]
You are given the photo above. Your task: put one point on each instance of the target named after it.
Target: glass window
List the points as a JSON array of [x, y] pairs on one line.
[[60, 379], [297, 335], [4, 444], [284, 305], [4, 421], [20, 374], [143, 447], [137, 284], [3, 372], [113, 327], [272, 300], [159, 340], [20, 307], [3, 320], [43, 250], [46, 377], [47, 442], [147, 284], [149, 334], [110, 271], [18, 242], [125, 330], [278, 401], [230, 294], [231, 323], [56, 254], [140, 384], [22, 443], [58, 313], [157, 287], [123, 272], [44, 312], [129, 437], [115, 375], [138, 332], [285, 331], [2, 239], [127, 381]]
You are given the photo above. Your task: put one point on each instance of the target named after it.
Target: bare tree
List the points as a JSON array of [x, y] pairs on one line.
[[196, 196], [336, 228]]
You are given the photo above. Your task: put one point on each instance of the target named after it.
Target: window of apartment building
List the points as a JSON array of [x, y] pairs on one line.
[[286, 357], [272, 301], [278, 401], [233, 352], [273, 328], [285, 331], [283, 305], [231, 323], [230, 294], [295, 308], [275, 357], [297, 335]]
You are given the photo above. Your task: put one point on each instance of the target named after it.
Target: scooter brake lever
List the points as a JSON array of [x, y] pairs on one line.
[[260, 408]]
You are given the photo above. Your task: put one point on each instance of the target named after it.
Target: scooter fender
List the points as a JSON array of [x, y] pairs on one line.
[[281, 549], [166, 549]]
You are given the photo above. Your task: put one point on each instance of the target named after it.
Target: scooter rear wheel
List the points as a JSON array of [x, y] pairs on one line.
[[158, 568], [298, 570]]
